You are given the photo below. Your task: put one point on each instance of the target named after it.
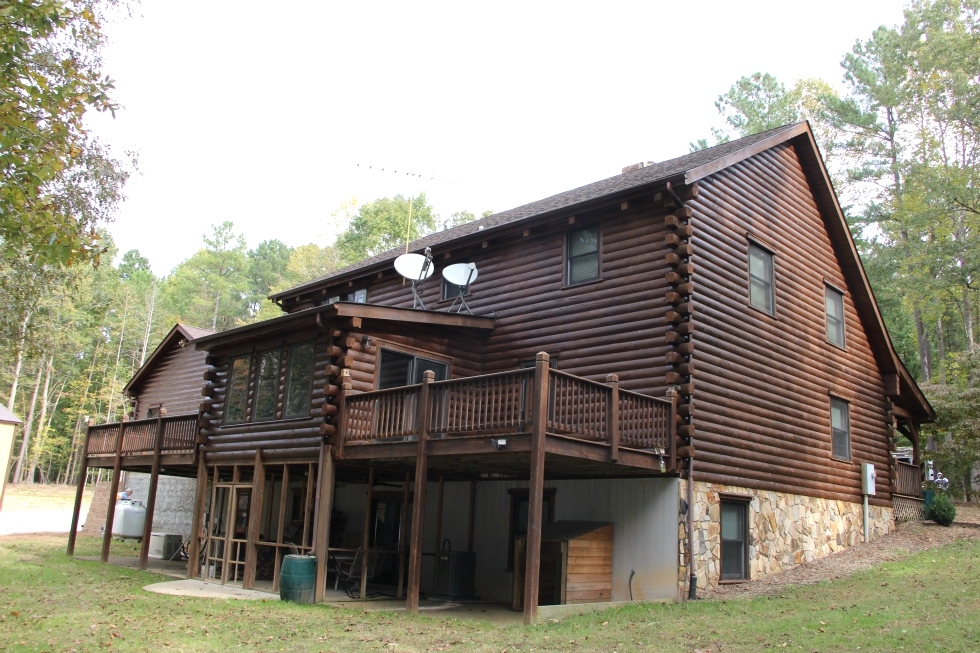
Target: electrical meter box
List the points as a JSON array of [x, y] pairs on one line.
[[868, 478]]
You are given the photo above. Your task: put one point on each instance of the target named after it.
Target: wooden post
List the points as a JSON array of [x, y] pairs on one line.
[[418, 506], [612, 417], [535, 491], [366, 535], [469, 539], [113, 491], [324, 511], [197, 527], [439, 515], [151, 498], [671, 429], [80, 489], [254, 521], [345, 389], [283, 496], [403, 524]]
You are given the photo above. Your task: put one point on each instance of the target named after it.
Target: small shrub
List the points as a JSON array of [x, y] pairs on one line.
[[942, 511]]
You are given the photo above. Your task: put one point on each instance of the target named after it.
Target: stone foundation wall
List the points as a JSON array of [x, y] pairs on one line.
[[174, 509], [784, 530]]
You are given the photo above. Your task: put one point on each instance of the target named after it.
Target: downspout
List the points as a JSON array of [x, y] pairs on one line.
[[692, 587]]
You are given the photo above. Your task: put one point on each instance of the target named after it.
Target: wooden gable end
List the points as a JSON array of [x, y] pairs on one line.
[[764, 382], [174, 380]]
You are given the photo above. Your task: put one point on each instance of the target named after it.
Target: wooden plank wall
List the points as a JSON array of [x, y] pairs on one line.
[[763, 383], [588, 567], [175, 381]]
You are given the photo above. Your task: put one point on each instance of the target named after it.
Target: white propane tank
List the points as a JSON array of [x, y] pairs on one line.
[[128, 520]]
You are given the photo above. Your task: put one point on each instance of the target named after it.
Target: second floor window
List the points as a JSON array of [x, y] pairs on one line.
[[237, 395], [299, 380], [267, 385], [582, 256], [835, 317], [276, 392], [398, 369], [840, 425], [761, 279]]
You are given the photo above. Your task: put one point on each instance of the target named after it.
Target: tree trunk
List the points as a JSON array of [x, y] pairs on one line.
[[968, 320], [925, 353], [115, 367], [25, 442], [42, 427], [940, 351], [149, 325]]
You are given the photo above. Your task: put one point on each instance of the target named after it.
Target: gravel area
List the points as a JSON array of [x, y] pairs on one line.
[[908, 539]]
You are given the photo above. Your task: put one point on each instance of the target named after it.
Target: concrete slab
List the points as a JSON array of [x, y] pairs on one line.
[[210, 590]]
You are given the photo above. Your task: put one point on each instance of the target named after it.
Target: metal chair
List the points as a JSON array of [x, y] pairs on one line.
[[347, 573]]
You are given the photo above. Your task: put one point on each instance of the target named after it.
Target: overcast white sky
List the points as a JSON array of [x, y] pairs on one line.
[[268, 114]]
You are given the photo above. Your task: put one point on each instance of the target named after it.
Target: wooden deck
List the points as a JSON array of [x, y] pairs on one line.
[[136, 442]]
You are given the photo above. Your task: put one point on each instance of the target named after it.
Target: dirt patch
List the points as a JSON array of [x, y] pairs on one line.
[[908, 539]]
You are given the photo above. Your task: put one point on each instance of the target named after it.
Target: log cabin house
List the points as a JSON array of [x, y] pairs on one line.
[[688, 354]]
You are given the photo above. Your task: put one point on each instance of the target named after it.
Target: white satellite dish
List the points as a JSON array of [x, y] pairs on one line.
[[460, 275], [416, 268]]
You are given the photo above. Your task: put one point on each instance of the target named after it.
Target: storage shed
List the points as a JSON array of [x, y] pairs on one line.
[[576, 564]]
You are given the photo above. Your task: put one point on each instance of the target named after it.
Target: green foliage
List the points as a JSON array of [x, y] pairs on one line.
[[757, 103], [942, 510], [384, 224], [58, 182]]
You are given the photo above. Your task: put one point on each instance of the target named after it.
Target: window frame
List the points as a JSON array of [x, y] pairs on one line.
[[232, 376], [741, 503], [570, 259], [415, 356], [287, 391], [259, 395], [835, 325], [770, 283], [845, 432]]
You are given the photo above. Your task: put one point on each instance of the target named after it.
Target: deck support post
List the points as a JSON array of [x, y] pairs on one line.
[[254, 521], [418, 505], [366, 534], [401, 544], [194, 551], [113, 492], [324, 512], [536, 488], [151, 496], [612, 417], [439, 503], [79, 491]]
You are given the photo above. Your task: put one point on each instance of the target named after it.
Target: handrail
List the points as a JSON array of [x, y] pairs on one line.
[[139, 436], [909, 478]]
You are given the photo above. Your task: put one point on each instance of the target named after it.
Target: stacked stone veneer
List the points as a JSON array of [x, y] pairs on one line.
[[784, 530]]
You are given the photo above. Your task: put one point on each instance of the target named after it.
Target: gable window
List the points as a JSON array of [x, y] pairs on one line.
[[734, 540], [398, 369], [299, 380], [835, 317], [358, 296], [582, 256], [761, 279], [237, 389], [840, 426], [267, 385]]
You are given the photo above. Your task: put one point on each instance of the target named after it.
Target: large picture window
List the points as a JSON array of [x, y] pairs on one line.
[[840, 425], [237, 389], [267, 385], [761, 283], [582, 256], [835, 317], [299, 380]]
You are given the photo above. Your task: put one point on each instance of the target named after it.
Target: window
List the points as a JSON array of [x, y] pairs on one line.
[[761, 279], [299, 380], [582, 255], [267, 385], [358, 296], [519, 502], [237, 390], [835, 317], [840, 426], [451, 290], [734, 540], [398, 369]]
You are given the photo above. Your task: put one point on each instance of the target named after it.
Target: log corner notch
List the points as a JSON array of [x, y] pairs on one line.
[[334, 374], [680, 324]]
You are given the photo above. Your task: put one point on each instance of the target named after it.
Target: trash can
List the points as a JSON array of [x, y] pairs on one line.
[[928, 496], [297, 578]]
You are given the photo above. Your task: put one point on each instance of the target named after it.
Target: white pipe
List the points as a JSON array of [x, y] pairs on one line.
[[866, 538]]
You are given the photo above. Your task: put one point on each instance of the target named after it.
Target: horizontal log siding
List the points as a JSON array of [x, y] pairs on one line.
[[175, 381], [613, 325], [762, 401]]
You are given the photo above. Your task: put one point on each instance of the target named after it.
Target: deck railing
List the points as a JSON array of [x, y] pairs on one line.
[[909, 479], [177, 433], [504, 403]]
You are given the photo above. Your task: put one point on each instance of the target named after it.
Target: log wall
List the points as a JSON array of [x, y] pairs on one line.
[[174, 381], [763, 383]]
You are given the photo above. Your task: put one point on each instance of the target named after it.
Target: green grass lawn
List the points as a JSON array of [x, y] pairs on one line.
[[50, 602]]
